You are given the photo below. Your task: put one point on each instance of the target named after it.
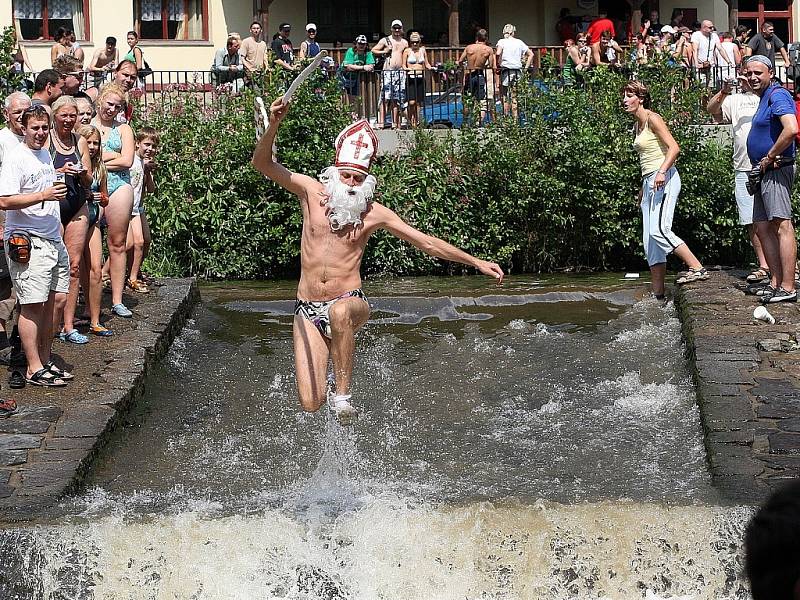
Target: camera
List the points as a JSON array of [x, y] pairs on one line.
[[753, 183]]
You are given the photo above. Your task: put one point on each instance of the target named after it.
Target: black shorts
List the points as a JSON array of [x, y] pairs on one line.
[[415, 88]]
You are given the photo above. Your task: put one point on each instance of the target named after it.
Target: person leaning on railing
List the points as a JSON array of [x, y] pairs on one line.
[[415, 63], [228, 67], [357, 60]]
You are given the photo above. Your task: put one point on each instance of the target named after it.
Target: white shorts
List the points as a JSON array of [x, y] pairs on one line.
[[658, 208], [744, 200], [47, 271]]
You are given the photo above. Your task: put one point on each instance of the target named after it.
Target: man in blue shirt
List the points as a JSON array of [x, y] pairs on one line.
[[770, 147]]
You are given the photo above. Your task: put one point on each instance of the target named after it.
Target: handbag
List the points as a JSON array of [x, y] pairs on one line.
[[145, 71]]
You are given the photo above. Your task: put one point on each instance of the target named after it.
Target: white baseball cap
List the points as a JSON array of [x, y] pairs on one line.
[[668, 29], [311, 26], [397, 22]]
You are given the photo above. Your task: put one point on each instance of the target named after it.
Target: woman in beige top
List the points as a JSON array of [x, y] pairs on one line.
[[658, 195]]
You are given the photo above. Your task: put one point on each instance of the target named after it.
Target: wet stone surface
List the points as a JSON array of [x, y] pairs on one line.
[[748, 385], [49, 444]]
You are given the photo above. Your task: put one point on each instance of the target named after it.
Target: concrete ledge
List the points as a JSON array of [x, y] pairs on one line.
[[749, 398], [47, 448]]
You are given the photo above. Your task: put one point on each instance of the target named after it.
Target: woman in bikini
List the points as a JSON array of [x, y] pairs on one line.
[[92, 272], [118, 151], [70, 156], [658, 195], [415, 62]]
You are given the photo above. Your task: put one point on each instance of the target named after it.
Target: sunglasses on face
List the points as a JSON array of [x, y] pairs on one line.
[[396, 27], [311, 30]]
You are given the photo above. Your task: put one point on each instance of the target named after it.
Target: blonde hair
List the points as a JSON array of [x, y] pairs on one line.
[[63, 101], [99, 171], [111, 88], [638, 89]]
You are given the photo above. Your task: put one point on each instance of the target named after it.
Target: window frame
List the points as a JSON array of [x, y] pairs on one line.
[[762, 15], [47, 36], [137, 24]]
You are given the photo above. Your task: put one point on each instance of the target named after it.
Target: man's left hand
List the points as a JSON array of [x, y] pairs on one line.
[[492, 270]]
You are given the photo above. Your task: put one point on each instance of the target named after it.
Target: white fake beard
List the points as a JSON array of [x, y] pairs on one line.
[[346, 204]]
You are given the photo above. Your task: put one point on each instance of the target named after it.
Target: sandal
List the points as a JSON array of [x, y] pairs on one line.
[[60, 373], [700, 274], [138, 286], [106, 284], [100, 330], [7, 408], [758, 275], [74, 337], [46, 378]]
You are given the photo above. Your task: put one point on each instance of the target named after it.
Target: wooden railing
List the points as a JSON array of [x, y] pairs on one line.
[[438, 54]]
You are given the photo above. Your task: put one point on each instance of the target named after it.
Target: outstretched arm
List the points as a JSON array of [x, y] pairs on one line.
[[264, 159], [433, 245]]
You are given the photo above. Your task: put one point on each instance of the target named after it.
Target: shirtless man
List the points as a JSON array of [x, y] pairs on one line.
[[478, 57], [104, 60], [394, 78], [339, 216]]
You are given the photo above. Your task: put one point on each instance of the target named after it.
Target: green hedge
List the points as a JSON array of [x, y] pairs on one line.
[[556, 191]]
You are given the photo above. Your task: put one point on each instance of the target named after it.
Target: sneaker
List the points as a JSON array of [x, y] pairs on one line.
[[100, 330], [343, 410], [74, 337], [121, 311], [780, 295], [692, 275], [7, 408]]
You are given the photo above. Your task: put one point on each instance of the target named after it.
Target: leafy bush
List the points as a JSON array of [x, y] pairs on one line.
[[556, 190], [9, 79]]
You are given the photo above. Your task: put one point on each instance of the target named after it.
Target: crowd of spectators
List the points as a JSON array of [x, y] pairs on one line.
[[71, 172]]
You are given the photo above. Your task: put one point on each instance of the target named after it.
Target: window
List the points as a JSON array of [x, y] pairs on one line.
[[343, 20], [779, 12], [39, 19], [171, 19], [431, 19]]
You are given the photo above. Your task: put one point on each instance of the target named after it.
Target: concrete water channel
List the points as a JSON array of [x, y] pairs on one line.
[[542, 440]]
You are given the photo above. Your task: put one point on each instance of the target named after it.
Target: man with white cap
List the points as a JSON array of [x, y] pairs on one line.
[[309, 47], [770, 146], [393, 75], [510, 54], [339, 216]]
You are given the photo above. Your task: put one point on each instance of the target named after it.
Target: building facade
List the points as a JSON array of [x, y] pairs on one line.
[[183, 34]]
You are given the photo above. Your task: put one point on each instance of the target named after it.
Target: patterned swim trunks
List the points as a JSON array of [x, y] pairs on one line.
[[318, 312]]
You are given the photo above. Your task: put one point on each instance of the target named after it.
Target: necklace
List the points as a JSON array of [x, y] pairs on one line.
[[62, 144]]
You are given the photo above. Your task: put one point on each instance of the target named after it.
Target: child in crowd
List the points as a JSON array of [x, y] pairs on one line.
[[138, 245], [91, 272]]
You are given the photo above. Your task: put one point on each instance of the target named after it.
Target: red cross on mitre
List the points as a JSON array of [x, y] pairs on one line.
[[356, 146]]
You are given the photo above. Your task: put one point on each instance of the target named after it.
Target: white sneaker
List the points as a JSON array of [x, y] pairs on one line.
[[343, 410]]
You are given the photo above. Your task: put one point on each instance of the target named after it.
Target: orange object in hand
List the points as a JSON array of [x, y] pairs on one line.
[[103, 199]]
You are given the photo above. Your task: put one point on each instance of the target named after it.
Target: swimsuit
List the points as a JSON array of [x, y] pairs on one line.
[[317, 312], [116, 179], [75, 198], [92, 206]]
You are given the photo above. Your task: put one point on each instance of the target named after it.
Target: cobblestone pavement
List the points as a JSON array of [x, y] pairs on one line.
[[747, 374], [48, 445]]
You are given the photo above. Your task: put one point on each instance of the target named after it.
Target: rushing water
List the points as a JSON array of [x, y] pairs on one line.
[[542, 442]]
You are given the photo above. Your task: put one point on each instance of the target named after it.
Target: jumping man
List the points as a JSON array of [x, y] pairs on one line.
[[339, 216]]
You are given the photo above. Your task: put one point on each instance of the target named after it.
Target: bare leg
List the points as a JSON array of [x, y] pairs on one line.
[[347, 316], [136, 243], [769, 245], [93, 266], [787, 250], [118, 215], [31, 318], [687, 257], [756, 243], [75, 241], [311, 352], [46, 329], [658, 273]]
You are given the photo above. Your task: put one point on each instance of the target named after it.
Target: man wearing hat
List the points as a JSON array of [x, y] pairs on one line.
[[282, 48], [770, 146], [394, 80], [339, 216], [309, 47], [512, 55]]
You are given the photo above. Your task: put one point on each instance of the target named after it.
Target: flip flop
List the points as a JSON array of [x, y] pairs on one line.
[[46, 378], [60, 373], [7, 408]]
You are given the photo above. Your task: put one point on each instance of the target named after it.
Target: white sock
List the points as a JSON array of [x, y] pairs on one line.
[[338, 398]]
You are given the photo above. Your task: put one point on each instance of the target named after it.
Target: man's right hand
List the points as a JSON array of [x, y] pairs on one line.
[[54, 193], [492, 270], [278, 110]]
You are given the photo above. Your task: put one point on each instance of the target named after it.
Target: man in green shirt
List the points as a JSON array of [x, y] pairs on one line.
[[357, 61]]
